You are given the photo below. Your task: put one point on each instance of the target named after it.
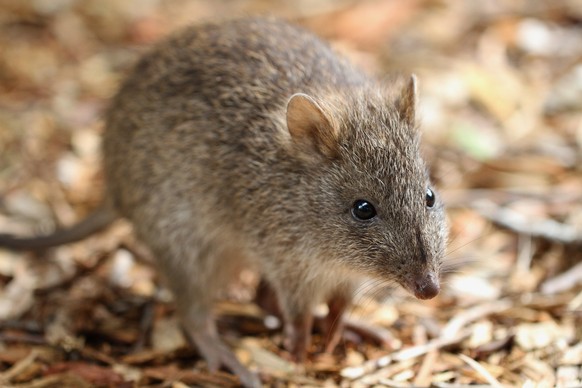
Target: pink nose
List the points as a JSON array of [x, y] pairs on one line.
[[427, 286]]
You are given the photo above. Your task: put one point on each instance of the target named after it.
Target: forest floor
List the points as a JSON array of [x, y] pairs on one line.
[[501, 114]]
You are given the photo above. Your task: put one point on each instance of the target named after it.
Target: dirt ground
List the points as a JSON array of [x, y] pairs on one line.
[[500, 109]]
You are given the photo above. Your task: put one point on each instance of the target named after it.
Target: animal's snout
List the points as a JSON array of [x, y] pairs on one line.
[[426, 286]]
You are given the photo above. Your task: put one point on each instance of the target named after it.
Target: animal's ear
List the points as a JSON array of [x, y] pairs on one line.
[[406, 103], [310, 126]]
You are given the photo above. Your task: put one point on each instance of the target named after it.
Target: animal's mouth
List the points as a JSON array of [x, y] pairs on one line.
[[425, 286]]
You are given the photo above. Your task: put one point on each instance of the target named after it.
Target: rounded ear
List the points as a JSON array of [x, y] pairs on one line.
[[406, 103], [310, 126]]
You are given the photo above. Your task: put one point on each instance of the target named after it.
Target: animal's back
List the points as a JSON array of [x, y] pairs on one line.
[[201, 103]]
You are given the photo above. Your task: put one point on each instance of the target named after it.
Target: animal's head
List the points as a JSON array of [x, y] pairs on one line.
[[371, 205]]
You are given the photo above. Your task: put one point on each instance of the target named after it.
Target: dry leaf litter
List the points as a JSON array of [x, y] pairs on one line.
[[501, 103]]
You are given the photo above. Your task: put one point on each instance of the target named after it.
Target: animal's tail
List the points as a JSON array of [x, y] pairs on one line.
[[101, 218]]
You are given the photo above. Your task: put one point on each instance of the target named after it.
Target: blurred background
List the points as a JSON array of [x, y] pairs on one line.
[[501, 114]]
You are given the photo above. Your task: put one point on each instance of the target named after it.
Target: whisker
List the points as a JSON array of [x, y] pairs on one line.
[[453, 250], [457, 265], [365, 287]]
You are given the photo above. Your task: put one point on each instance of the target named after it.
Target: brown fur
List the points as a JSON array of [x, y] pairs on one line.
[[198, 156]]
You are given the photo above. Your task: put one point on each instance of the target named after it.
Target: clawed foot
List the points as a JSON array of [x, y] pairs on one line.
[[334, 326], [298, 336], [218, 355]]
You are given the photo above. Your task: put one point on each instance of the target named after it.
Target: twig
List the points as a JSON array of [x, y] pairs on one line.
[[375, 333], [465, 316], [385, 374], [58, 380], [524, 254], [576, 303], [402, 355], [547, 229], [423, 377], [19, 367], [564, 281], [481, 370], [452, 333], [467, 197]]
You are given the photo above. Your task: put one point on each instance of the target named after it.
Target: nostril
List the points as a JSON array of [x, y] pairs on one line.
[[427, 287]]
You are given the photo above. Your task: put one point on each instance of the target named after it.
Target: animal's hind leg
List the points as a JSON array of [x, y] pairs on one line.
[[215, 352], [195, 277]]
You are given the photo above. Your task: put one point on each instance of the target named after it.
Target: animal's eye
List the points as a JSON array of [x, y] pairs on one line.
[[430, 198], [363, 210]]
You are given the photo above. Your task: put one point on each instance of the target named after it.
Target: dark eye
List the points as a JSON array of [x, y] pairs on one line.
[[430, 198], [363, 210]]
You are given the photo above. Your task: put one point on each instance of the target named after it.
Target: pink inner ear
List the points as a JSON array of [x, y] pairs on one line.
[[308, 124], [303, 114]]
